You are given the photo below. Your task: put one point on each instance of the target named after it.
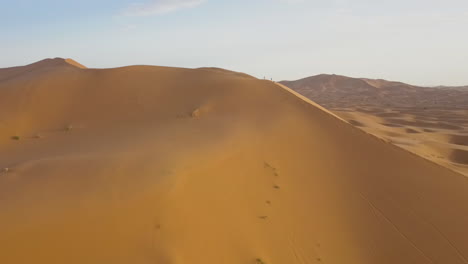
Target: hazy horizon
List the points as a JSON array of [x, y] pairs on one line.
[[417, 42]]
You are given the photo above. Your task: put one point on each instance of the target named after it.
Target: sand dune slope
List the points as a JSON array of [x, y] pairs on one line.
[[166, 165]]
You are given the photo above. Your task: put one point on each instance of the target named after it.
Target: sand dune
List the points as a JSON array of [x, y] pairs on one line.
[[335, 91], [437, 138], [431, 122], [148, 164], [74, 63]]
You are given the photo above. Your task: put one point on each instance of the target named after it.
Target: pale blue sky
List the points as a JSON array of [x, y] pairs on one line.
[[422, 42]]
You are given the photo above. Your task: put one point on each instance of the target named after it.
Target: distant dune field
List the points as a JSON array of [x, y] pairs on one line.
[[431, 122], [146, 164]]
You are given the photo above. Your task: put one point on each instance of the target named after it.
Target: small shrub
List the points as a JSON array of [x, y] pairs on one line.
[[259, 261], [15, 137], [69, 128]]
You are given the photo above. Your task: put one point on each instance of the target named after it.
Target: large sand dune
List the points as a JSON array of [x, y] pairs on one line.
[[164, 165], [336, 91]]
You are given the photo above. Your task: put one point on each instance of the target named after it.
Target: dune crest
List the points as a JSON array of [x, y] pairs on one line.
[[74, 63], [336, 91], [166, 165]]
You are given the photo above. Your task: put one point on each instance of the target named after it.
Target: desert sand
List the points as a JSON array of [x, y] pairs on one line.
[[440, 135], [146, 164], [430, 122]]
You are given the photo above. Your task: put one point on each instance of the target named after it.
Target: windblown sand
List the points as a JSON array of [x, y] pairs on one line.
[[162, 165]]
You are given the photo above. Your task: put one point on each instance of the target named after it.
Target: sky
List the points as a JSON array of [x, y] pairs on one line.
[[422, 42]]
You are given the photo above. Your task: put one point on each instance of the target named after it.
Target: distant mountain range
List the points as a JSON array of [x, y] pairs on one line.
[[335, 91]]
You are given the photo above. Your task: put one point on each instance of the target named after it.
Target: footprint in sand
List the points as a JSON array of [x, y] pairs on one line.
[[274, 171]]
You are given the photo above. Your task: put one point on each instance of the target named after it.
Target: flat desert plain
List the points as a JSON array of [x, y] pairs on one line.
[[146, 164], [431, 122]]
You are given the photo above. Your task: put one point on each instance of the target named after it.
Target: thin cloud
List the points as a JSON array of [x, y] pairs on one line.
[[158, 7]]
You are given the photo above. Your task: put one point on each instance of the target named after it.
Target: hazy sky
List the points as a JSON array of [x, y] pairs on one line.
[[417, 41]]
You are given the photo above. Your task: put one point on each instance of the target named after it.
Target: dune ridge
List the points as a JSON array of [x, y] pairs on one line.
[[74, 63], [336, 91], [166, 165]]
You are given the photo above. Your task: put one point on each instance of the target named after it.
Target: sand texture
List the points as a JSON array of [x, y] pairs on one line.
[[147, 164], [430, 122]]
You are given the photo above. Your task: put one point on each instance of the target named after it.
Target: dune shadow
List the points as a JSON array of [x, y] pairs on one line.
[[412, 131], [356, 123], [459, 156], [459, 140]]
